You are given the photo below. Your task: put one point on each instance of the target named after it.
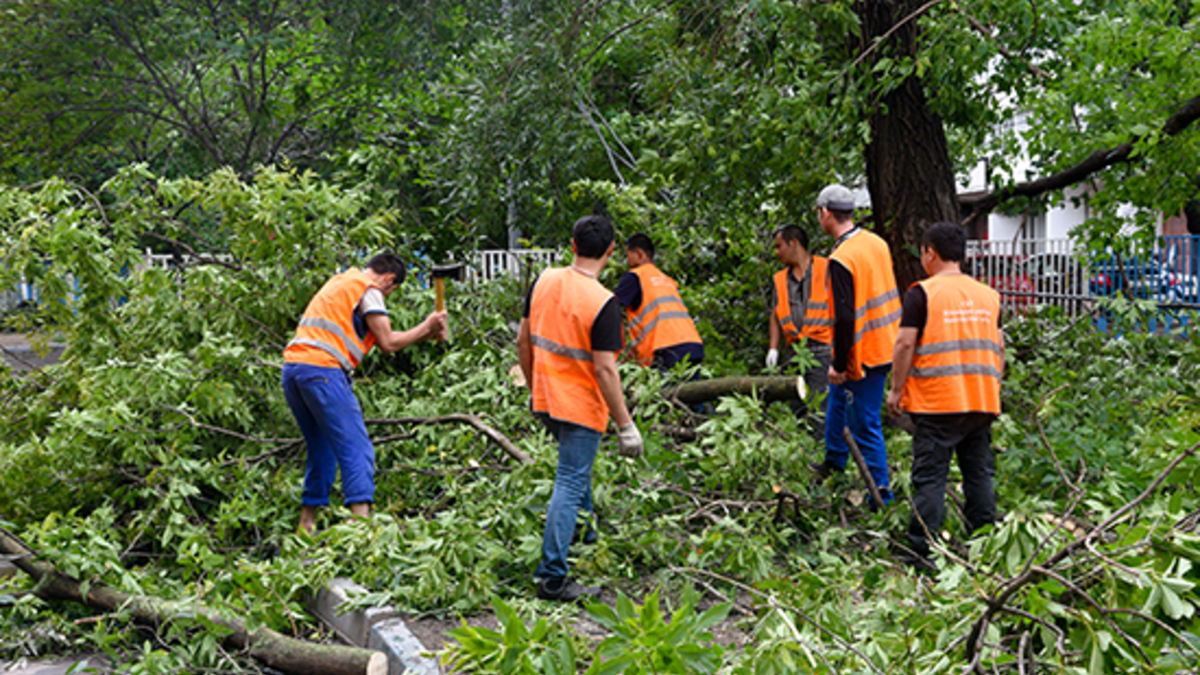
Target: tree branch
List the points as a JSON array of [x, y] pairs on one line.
[[462, 418], [1097, 161]]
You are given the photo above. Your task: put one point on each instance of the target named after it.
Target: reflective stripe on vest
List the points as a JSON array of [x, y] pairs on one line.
[[662, 320], [562, 310], [325, 335], [958, 362], [876, 300]]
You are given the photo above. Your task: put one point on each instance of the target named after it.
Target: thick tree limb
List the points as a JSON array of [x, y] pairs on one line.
[[460, 418], [769, 388], [278, 651], [1097, 161]]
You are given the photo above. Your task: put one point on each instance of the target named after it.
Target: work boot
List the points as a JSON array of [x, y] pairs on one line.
[[566, 589], [821, 472]]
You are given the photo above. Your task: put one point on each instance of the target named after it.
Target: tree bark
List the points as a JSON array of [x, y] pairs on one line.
[[462, 418], [909, 172], [768, 388], [276, 650]]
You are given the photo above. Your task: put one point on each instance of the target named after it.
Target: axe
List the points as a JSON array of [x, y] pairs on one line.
[[441, 273]]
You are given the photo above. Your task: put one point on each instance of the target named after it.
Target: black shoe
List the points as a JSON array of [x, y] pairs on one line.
[[566, 589], [821, 472], [589, 535]]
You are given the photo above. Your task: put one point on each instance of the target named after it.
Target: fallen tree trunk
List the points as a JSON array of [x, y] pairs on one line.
[[768, 388], [276, 650]]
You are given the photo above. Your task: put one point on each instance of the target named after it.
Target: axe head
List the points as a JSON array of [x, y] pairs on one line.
[[455, 272]]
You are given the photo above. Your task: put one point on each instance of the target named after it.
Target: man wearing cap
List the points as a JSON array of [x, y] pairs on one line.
[[866, 319], [341, 324], [661, 332], [567, 346], [948, 360], [801, 311]]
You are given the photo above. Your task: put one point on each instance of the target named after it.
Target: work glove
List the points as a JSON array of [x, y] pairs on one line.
[[772, 358], [629, 440]]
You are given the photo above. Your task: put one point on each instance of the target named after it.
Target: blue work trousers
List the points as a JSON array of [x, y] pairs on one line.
[[858, 404], [577, 448], [331, 421]]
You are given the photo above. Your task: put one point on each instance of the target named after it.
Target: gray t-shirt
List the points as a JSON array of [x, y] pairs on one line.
[[797, 295]]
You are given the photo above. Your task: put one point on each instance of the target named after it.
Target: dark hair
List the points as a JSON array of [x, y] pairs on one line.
[[948, 240], [840, 216], [793, 233], [385, 263], [642, 242], [592, 235]]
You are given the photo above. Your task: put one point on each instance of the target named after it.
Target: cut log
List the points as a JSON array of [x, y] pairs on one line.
[[768, 388], [276, 650]]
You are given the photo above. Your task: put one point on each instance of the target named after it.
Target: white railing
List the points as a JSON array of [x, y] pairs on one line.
[[521, 263], [1030, 272]]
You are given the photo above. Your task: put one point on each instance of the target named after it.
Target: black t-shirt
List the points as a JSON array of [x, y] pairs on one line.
[[841, 283], [607, 335], [629, 291]]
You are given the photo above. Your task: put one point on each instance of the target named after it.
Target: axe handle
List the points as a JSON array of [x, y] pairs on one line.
[[439, 286]]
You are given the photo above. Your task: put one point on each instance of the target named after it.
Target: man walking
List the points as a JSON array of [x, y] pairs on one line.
[[567, 346], [661, 332], [866, 318], [948, 362], [340, 325], [801, 311]]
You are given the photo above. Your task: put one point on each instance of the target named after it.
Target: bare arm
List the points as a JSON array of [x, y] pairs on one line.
[[610, 386], [902, 357], [774, 331], [388, 340], [525, 351]]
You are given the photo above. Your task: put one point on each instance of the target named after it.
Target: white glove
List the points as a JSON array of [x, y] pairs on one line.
[[629, 440], [772, 358]]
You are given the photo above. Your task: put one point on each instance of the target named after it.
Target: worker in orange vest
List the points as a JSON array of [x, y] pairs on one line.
[[866, 318], [567, 346], [342, 322], [801, 311], [948, 361], [661, 332]]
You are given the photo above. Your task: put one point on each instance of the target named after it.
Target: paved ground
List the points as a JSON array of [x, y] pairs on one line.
[[95, 664], [20, 355]]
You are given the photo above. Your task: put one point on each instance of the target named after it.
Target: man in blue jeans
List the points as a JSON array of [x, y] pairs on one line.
[[567, 345], [341, 323], [866, 320]]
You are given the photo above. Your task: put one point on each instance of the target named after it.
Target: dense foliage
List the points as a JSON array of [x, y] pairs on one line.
[[158, 457], [266, 145]]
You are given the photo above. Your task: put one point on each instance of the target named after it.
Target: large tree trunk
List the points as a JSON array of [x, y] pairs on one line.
[[278, 651], [909, 173]]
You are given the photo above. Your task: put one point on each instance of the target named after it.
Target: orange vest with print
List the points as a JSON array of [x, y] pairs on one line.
[[661, 320], [959, 359], [326, 334], [564, 305], [876, 300], [817, 323]]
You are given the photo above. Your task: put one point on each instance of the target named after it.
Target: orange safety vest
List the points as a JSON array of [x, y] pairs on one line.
[[817, 324], [876, 300], [958, 361], [662, 320], [564, 306], [326, 334]]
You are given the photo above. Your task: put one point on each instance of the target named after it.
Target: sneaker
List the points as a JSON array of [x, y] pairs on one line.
[[566, 589], [821, 472]]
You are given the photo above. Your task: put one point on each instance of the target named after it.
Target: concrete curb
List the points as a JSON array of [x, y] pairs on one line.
[[380, 628]]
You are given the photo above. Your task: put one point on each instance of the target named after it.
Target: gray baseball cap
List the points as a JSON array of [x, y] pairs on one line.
[[836, 198]]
